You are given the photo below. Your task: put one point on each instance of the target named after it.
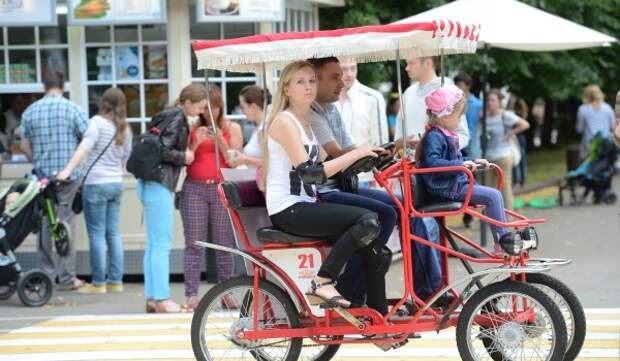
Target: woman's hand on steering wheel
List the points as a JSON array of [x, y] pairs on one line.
[[368, 151]]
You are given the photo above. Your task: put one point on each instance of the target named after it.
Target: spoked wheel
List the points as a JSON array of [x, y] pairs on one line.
[[63, 240], [310, 351], [6, 291], [227, 310], [511, 321], [571, 309], [34, 288], [316, 352]]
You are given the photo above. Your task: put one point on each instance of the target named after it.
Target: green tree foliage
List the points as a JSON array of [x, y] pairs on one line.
[[557, 76]]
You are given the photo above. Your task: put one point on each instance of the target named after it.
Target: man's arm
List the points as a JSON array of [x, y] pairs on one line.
[[463, 132], [617, 130], [26, 148]]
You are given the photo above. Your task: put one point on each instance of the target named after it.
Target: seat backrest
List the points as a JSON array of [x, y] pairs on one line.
[[420, 196], [244, 193]]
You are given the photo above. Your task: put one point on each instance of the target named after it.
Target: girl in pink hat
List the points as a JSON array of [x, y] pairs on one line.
[[440, 148]]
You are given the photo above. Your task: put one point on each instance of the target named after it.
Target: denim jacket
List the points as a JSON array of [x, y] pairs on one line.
[[440, 148]]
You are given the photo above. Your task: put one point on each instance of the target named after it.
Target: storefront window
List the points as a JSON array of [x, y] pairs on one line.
[[22, 66], [231, 83], [97, 34], [155, 62], [134, 59], [31, 53], [156, 98], [54, 60], [21, 36], [54, 34]]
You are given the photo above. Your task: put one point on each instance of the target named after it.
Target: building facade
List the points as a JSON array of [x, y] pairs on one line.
[[150, 62]]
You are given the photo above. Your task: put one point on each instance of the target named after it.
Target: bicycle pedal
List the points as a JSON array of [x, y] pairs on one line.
[[400, 344], [349, 317]]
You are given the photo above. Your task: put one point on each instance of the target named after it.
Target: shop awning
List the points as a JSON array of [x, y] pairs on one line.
[[359, 44]]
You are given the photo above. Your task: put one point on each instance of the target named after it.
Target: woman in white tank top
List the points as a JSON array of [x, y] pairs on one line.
[[293, 168]]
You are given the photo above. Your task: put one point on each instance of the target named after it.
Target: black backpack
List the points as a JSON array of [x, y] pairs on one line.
[[145, 161]]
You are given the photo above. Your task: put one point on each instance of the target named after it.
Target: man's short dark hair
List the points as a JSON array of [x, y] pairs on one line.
[[319, 63], [462, 77], [54, 80]]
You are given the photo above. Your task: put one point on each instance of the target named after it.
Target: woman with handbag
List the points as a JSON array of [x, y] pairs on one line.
[[502, 147], [106, 146], [199, 204]]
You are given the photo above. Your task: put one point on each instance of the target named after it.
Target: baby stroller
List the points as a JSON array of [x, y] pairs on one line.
[[23, 206], [594, 174]]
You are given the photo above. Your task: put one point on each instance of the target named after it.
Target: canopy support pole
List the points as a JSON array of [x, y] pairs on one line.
[[264, 82], [215, 130], [483, 136], [442, 67], [402, 103]]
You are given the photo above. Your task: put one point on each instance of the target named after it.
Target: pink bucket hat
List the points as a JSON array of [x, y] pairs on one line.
[[441, 101]]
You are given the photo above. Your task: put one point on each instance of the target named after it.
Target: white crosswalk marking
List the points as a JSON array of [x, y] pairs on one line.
[[167, 337]]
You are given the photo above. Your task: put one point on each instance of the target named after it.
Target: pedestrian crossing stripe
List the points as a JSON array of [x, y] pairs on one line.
[[167, 337]]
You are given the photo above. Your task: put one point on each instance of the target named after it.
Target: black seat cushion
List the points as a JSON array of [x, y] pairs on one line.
[[440, 207], [243, 194], [422, 201], [275, 235]]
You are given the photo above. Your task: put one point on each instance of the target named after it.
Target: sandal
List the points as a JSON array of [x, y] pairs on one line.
[[150, 306], [168, 306], [191, 304], [316, 299]]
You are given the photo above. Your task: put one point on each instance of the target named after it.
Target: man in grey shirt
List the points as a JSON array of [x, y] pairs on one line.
[[330, 132]]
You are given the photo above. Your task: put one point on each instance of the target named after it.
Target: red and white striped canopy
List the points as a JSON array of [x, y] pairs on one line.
[[360, 45]]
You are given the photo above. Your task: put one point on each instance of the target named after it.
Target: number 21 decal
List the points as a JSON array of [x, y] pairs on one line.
[[306, 260]]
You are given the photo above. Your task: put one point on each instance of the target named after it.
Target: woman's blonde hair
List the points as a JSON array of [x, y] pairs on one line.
[[593, 95], [280, 103]]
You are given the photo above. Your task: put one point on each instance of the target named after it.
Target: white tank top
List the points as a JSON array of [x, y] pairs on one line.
[[284, 186]]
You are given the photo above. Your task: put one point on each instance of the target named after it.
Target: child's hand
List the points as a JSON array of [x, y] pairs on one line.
[[470, 165], [483, 162]]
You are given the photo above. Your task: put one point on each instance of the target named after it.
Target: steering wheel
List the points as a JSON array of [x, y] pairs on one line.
[[367, 164]]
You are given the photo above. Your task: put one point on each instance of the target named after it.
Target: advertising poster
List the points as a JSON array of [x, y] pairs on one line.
[[113, 12], [239, 10], [27, 12]]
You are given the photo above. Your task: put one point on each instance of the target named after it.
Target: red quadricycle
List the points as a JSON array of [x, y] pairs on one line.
[[504, 308]]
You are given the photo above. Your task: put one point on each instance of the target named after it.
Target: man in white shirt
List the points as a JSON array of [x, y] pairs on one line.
[[424, 79], [362, 109]]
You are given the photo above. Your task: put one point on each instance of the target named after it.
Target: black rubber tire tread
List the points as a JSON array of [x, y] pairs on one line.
[[328, 353], [6, 291], [234, 282], [579, 316], [506, 287], [21, 288]]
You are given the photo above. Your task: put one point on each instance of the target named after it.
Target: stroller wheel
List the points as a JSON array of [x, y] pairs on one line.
[[63, 240], [6, 291], [610, 198], [34, 288]]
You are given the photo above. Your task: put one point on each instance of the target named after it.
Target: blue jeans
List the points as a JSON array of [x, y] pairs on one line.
[[426, 260], [158, 203], [493, 201], [351, 282], [427, 270], [102, 203]]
